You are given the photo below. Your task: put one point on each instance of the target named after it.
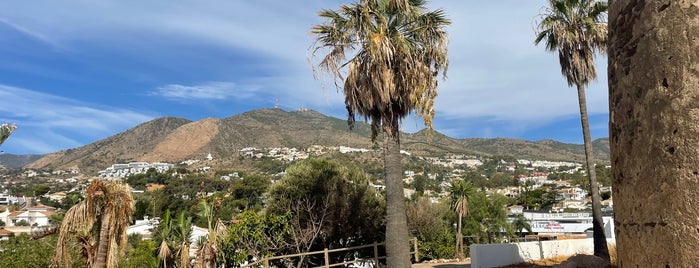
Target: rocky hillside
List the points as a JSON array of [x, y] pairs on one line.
[[170, 139]]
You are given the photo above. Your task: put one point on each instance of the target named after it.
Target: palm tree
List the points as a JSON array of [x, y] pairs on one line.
[[164, 234], [654, 140], [459, 195], [396, 49], [209, 248], [5, 131], [98, 223], [520, 223], [576, 30], [184, 232]]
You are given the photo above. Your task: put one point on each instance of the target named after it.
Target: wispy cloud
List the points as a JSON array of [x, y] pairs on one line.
[[498, 82], [46, 123], [205, 91]]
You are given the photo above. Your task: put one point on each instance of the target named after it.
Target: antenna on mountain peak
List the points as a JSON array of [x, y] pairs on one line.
[[276, 103]]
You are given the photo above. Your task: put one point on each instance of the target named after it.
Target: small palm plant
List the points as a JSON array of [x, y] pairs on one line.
[[520, 223]]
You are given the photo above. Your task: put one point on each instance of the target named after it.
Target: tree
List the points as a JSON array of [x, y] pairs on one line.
[[5, 131], [459, 194], [98, 223], [184, 233], [653, 86], [163, 236], [142, 255], [397, 49], [430, 223], [576, 30], [323, 196], [209, 249], [23, 251], [488, 216], [520, 223]]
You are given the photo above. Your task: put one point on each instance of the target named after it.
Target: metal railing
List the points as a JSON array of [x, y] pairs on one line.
[[265, 262]]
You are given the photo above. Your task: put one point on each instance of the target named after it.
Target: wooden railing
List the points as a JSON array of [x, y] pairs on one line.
[[326, 256]]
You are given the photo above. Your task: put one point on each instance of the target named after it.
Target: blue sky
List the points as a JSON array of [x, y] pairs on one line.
[[76, 71]]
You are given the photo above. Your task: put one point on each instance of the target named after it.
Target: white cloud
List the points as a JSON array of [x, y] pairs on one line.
[[205, 91], [46, 123], [496, 72]]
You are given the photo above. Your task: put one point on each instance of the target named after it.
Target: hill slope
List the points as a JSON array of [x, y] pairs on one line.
[[170, 139], [16, 161]]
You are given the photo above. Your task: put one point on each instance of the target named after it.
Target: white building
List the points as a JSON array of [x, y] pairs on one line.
[[6, 200], [34, 216], [147, 226], [125, 170]]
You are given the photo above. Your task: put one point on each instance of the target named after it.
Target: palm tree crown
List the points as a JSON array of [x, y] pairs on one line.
[[576, 30], [98, 223], [459, 194], [396, 50]]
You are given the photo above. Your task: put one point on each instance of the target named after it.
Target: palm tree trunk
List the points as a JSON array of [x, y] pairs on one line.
[[104, 240], [654, 139], [397, 247], [459, 239], [600, 240]]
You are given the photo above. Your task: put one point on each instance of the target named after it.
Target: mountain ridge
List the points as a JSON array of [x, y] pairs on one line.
[[172, 139]]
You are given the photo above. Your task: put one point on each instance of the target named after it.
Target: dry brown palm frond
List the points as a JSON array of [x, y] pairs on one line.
[[164, 252], [220, 230], [206, 256], [78, 220], [184, 254]]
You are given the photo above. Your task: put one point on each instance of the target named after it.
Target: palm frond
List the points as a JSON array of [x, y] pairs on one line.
[[385, 56], [576, 30]]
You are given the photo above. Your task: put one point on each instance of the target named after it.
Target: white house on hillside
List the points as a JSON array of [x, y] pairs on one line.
[[34, 216]]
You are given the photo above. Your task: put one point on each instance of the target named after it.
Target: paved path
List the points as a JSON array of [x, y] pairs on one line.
[[466, 264]]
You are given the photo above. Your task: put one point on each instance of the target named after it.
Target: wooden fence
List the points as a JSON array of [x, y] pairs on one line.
[[265, 262]]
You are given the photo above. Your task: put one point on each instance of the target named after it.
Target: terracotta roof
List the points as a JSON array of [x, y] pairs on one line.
[[16, 213], [44, 207], [4, 232]]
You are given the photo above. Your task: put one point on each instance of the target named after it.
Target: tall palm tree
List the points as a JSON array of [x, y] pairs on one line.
[[5, 131], [386, 56], [576, 30], [459, 195], [98, 223]]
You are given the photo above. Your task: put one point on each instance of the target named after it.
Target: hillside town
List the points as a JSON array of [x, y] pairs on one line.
[[530, 176]]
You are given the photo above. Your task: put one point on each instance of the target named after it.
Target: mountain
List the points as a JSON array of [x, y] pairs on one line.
[[16, 161], [130, 145], [171, 139]]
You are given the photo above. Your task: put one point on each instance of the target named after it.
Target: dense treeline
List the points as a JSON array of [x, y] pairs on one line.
[[317, 203]]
